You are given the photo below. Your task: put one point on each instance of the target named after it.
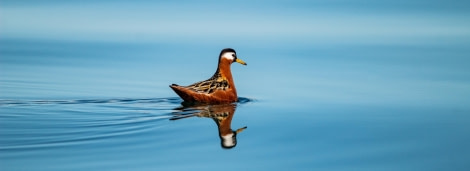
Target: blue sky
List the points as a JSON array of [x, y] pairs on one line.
[[256, 22]]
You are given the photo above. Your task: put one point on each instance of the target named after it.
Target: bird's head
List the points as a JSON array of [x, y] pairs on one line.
[[230, 55]]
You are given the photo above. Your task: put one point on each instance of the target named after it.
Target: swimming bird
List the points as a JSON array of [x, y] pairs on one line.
[[220, 88]]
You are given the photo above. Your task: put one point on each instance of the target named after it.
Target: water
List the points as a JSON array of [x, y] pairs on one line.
[[328, 86]]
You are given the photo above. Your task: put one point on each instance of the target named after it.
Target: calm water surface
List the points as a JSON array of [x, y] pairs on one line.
[[358, 100]]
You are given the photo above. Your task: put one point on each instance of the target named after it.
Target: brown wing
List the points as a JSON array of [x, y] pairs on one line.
[[210, 85]]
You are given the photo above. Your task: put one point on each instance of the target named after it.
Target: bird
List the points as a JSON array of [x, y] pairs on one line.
[[218, 89]]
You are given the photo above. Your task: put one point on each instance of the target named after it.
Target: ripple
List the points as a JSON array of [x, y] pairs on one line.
[[32, 124], [40, 124], [243, 100], [172, 100]]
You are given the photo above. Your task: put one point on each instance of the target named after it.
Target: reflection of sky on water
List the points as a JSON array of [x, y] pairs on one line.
[[363, 50], [336, 85], [266, 22]]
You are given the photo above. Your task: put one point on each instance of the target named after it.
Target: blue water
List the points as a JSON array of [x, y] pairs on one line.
[[334, 85]]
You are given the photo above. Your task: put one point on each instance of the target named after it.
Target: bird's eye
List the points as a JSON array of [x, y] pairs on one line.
[[234, 55]]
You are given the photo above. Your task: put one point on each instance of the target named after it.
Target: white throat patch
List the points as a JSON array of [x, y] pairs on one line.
[[228, 55], [228, 140]]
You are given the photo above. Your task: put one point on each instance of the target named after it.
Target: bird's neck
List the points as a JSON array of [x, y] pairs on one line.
[[223, 70]]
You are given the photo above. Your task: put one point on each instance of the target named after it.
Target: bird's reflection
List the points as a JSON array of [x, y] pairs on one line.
[[222, 115]]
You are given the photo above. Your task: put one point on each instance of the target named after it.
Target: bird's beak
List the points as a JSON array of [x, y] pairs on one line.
[[240, 129], [240, 61]]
